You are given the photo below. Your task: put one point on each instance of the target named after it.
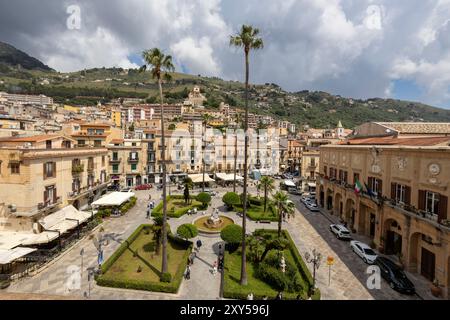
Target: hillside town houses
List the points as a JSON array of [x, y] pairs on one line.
[[55, 156]]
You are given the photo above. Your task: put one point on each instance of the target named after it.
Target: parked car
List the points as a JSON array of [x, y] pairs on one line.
[[143, 187], [113, 187], [395, 276], [340, 231], [305, 199], [312, 206], [293, 190], [364, 251], [126, 190]]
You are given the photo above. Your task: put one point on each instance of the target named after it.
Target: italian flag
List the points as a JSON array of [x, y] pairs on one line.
[[358, 187]]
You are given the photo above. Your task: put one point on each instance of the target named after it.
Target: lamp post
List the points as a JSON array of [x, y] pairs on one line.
[[315, 259]]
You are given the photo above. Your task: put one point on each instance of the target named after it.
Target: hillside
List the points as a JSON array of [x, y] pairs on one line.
[[316, 109], [13, 57]]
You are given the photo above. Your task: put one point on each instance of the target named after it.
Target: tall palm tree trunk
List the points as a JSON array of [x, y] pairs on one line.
[[203, 157], [265, 198], [244, 211], [164, 266], [280, 220], [235, 161]]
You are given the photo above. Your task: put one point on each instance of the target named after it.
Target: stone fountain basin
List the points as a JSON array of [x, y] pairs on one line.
[[201, 224]]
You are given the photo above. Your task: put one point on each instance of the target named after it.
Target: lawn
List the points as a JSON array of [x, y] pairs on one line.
[[136, 266], [256, 210], [176, 207], [259, 288]]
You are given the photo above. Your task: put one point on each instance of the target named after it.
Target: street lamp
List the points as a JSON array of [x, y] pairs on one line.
[[315, 259]]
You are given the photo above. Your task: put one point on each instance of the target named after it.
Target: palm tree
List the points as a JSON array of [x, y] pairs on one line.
[[284, 206], [267, 184], [238, 121], [247, 39], [188, 184], [205, 119], [160, 65]]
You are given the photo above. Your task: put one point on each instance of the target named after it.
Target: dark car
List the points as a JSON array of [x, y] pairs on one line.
[[395, 276], [113, 187]]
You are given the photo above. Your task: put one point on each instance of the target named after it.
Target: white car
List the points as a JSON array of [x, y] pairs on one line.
[[364, 251], [312, 206], [340, 231]]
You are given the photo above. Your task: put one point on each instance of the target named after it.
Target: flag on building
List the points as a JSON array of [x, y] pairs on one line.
[[358, 187]]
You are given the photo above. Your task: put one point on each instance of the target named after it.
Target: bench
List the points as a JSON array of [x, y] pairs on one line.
[[265, 221]]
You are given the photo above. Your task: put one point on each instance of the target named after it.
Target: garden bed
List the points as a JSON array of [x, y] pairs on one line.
[[176, 207], [137, 253], [256, 210], [257, 286]]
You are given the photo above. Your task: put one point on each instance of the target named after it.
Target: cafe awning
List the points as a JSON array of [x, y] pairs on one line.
[[41, 238], [289, 183], [65, 219], [227, 176], [113, 199], [9, 255], [198, 178]]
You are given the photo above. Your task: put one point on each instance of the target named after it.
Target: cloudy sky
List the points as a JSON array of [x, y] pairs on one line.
[[355, 48]]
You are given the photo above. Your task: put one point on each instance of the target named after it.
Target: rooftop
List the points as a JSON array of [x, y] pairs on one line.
[[418, 127], [389, 140]]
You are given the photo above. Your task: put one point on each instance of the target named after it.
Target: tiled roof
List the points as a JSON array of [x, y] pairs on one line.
[[421, 141], [418, 127], [35, 138]]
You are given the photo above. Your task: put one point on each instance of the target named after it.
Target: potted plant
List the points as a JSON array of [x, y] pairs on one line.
[[435, 288]]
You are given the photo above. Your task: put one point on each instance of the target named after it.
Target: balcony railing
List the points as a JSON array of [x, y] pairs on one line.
[[115, 160], [86, 189], [48, 204], [130, 159]]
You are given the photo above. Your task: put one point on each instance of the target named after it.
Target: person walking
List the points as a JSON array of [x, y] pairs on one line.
[[214, 271], [199, 244], [187, 275]]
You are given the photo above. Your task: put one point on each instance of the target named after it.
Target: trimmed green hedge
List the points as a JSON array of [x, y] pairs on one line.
[[168, 287], [157, 211], [300, 264]]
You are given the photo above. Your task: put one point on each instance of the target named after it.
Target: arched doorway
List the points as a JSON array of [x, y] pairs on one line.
[[338, 205], [330, 200], [321, 197], [350, 212], [421, 257], [392, 237]]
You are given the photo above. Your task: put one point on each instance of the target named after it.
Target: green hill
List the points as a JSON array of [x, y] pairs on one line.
[[11, 56], [316, 109]]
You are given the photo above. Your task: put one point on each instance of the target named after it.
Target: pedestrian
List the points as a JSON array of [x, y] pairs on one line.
[[220, 249], [214, 271], [279, 296], [149, 197], [199, 244], [148, 213], [250, 296], [187, 274]]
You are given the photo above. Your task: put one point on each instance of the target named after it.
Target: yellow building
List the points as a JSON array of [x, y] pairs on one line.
[[127, 162], [403, 205], [42, 173], [116, 118]]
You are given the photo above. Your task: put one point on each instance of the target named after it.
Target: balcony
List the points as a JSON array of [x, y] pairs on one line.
[[133, 160], [83, 191], [115, 160], [42, 207], [413, 212], [77, 169]]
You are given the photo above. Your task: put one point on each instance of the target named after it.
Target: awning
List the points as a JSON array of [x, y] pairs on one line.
[[311, 184], [41, 238], [289, 183], [65, 219], [10, 240], [198, 178], [9, 255], [113, 199], [227, 176]]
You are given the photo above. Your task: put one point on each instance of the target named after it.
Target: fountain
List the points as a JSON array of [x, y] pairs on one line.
[[213, 223]]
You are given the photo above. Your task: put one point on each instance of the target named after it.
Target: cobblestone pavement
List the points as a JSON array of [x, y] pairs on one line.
[[308, 230], [348, 274]]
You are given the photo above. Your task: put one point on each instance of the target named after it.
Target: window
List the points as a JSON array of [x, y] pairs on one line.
[[375, 185], [15, 168], [50, 195], [81, 143], [355, 177], [115, 168], [313, 162], [49, 170], [97, 143], [133, 167], [115, 156], [432, 202], [48, 144], [325, 170], [103, 161]]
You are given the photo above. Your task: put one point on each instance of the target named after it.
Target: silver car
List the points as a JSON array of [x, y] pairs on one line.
[[340, 231], [364, 251]]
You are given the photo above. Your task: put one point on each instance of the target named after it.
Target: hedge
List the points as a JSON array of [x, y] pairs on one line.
[[303, 269], [171, 287], [157, 211]]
